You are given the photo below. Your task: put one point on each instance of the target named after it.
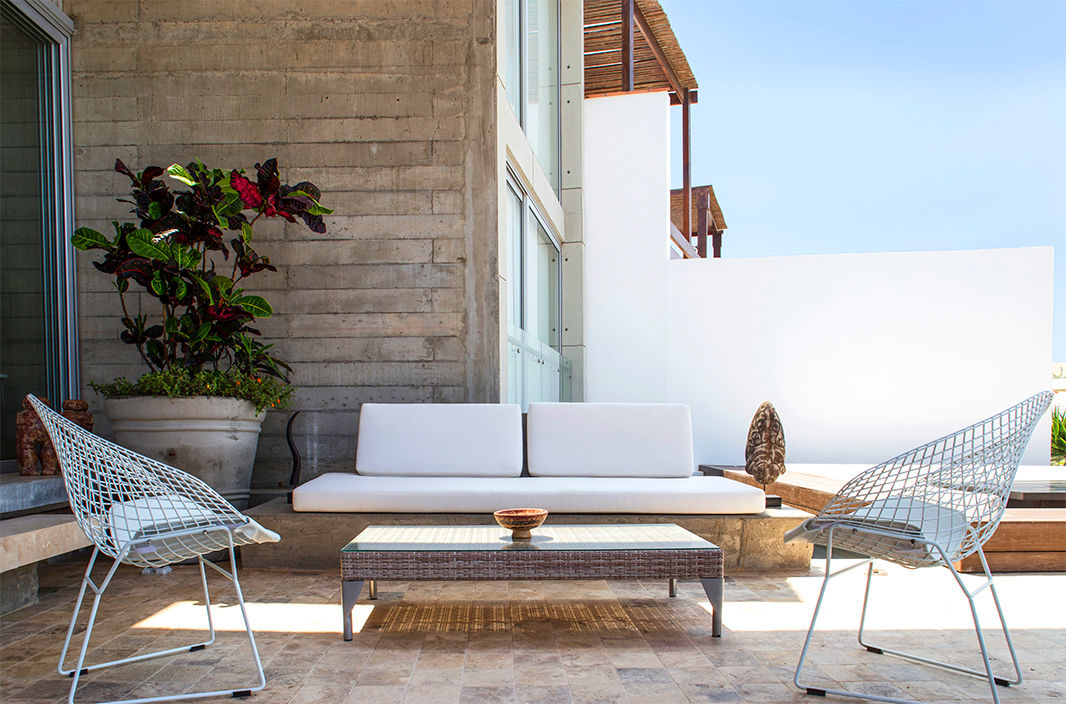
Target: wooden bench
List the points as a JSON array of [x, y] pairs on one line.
[[1027, 540]]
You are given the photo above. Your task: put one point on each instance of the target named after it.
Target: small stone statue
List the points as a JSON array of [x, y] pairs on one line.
[[32, 443], [764, 455], [77, 411]]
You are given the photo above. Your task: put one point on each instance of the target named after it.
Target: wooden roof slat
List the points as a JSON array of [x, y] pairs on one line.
[[603, 47], [677, 207]]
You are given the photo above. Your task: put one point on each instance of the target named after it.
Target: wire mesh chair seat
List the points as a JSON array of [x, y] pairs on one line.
[[147, 514], [931, 506]]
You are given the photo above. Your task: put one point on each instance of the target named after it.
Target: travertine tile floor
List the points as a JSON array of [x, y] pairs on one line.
[[545, 642]]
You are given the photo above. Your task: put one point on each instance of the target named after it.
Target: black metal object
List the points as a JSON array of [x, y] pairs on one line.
[[294, 478]]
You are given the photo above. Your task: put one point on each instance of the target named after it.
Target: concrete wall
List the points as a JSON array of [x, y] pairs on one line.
[[863, 355], [389, 107]]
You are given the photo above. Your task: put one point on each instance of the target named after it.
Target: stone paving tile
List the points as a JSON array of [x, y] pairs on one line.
[[586, 642]]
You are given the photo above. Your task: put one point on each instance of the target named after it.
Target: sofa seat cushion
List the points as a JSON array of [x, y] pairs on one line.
[[610, 440], [439, 439], [342, 492]]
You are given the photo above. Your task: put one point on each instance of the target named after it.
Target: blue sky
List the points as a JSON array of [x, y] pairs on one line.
[[891, 125]]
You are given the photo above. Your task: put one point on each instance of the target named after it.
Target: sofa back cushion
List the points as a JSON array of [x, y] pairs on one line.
[[439, 440], [610, 440]]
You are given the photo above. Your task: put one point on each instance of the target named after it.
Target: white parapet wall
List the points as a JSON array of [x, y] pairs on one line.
[[863, 355]]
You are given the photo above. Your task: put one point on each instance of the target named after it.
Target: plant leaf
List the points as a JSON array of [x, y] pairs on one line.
[[180, 173], [142, 244], [86, 238], [204, 286], [256, 305]]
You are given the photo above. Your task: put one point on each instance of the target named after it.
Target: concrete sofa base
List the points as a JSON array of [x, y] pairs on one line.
[[312, 541]]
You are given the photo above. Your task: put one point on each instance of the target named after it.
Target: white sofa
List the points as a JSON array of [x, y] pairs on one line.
[[582, 458]]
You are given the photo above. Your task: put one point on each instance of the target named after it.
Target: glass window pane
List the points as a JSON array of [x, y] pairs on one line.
[[514, 259], [512, 69], [542, 285], [22, 228], [542, 75]]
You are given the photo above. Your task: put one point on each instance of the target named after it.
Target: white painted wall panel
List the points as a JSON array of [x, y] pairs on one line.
[[863, 355]]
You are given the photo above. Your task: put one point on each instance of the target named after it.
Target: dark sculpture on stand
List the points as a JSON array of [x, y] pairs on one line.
[[764, 454], [31, 441]]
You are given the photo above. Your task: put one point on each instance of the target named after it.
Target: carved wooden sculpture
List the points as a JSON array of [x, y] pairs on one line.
[[31, 440], [77, 411], [764, 455], [32, 443]]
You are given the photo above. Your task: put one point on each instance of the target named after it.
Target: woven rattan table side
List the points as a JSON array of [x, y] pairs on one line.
[[558, 564], [526, 562]]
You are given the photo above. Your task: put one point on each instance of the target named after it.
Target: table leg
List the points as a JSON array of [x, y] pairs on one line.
[[350, 589], [715, 588], [673, 586]]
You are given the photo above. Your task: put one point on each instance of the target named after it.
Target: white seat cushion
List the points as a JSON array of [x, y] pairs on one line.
[[155, 515], [897, 521], [439, 440], [340, 492], [610, 440]]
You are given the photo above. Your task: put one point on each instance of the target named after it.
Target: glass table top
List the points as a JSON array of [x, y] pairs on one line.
[[651, 536]]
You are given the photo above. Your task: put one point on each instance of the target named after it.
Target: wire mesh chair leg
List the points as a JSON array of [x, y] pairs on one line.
[[81, 669], [993, 680]]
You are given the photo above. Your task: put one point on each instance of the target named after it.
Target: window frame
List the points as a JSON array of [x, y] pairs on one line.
[[53, 29], [523, 88], [530, 208]]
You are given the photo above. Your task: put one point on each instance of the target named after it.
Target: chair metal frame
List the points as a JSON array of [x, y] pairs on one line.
[[965, 476], [100, 476]]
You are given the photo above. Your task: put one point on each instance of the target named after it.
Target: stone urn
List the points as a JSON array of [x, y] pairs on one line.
[[210, 437]]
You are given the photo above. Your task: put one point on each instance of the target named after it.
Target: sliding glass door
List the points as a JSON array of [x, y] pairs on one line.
[[37, 341]]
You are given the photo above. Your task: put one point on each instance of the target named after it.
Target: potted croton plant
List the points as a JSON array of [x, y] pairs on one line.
[[210, 380]]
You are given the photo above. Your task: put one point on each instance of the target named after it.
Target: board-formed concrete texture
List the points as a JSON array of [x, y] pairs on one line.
[[314, 540], [389, 107]]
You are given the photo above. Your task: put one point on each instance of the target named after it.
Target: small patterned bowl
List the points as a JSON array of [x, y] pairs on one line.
[[520, 521]]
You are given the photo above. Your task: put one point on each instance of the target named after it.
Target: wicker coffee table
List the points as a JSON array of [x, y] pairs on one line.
[[419, 553]]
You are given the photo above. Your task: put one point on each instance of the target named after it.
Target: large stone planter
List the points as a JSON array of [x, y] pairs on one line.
[[210, 437]]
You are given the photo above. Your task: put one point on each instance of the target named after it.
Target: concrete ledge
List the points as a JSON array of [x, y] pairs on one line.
[[29, 539], [19, 493], [313, 541]]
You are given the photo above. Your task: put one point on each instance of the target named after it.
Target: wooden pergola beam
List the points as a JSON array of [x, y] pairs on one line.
[[627, 45], [660, 55]]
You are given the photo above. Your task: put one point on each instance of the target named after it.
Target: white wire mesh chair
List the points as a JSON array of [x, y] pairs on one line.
[[933, 505], [144, 513]]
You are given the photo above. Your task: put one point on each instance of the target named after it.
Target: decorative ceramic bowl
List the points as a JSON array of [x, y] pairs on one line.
[[520, 521]]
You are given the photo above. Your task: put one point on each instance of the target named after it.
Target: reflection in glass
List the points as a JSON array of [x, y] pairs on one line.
[[514, 258], [512, 42], [542, 298], [22, 227], [542, 75]]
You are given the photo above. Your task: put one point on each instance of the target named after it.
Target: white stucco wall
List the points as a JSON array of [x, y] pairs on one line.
[[626, 143], [863, 355]]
